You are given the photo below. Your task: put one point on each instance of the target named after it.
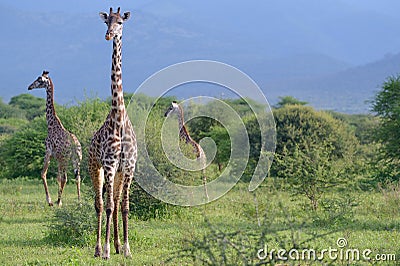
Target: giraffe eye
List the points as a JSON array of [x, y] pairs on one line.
[[119, 22]]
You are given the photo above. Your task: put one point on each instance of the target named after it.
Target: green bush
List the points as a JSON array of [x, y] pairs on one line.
[[72, 225], [314, 151], [22, 153]]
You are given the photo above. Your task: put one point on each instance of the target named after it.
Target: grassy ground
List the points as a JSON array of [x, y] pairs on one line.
[[369, 220]]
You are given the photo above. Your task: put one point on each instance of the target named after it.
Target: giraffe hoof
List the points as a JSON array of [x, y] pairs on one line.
[[51, 204], [106, 251], [118, 249], [97, 251], [127, 251]]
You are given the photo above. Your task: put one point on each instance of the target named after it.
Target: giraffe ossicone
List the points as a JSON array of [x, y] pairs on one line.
[[61, 144], [113, 149]]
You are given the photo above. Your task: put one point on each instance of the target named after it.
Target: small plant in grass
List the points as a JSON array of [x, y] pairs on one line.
[[280, 230], [335, 212], [72, 225], [391, 195], [144, 206]]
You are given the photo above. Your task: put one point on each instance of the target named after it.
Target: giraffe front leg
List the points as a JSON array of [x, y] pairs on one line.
[[44, 178], [117, 195], [97, 181], [125, 213], [99, 211], [109, 184]]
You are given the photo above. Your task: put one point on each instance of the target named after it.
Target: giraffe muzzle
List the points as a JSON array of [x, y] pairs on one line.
[[109, 36]]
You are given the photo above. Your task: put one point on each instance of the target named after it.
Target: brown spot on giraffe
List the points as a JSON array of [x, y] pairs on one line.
[[60, 143], [113, 150]]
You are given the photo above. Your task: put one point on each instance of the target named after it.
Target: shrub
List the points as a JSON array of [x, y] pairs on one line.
[[314, 152], [72, 225], [22, 153]]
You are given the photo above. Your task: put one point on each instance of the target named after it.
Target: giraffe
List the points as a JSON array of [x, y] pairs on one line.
[[113, 149], [60, 143], [185, 136]]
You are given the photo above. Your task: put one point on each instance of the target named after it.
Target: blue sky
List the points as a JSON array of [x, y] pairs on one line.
[[389, 7], [273, 41]]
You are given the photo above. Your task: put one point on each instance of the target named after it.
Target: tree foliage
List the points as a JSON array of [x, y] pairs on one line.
[[387, 107], [289, 100], [313, 151], [30, 105]]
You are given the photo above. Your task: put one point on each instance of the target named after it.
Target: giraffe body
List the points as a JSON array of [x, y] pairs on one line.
[[60, 144], [185, 136], [113, 150]]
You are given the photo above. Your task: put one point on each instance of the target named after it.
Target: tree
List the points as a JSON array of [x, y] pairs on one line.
[[387, 107], [32, 106], [289, 100], [313, 151]]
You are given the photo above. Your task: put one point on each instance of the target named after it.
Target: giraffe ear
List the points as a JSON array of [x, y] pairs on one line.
[[126, 16], [103, 16]]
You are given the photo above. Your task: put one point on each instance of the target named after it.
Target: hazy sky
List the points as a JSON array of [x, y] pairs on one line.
[[389, 7], [253, 18], [268, 39]]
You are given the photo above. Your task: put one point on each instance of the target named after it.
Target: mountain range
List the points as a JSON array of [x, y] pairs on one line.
[[333, 54]]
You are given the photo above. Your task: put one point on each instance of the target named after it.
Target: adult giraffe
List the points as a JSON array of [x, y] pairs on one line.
[[185, 136], [113, 150], [60, 143]]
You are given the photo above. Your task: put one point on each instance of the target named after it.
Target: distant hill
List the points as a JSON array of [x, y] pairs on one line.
[[344, 91], [311, 50]]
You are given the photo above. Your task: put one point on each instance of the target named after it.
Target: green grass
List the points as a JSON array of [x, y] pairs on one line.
[[373, 223]]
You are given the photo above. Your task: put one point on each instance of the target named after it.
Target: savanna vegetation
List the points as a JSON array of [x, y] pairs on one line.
[[334, 176]]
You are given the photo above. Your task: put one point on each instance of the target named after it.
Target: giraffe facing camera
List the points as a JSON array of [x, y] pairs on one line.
[[114, 21], [113, 150]]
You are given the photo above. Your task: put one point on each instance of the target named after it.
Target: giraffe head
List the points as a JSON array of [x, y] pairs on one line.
[[114, 22], [42, 82], [174, 107]]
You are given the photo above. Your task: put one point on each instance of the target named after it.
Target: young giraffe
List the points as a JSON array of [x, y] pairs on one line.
[[60, 144], [184, 135], [113, 150]]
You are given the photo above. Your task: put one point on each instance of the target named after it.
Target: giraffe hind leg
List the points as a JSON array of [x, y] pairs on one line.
[[76, 161], [77, 178], [44, 178], [62, 180], [205, 186]]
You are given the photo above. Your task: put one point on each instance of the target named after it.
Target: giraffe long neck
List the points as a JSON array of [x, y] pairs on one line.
[[117, 106], [184, 135], [51, 116]]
